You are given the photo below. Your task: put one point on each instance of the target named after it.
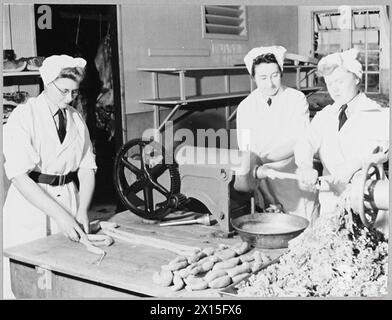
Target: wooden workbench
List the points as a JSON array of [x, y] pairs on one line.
[[55, 267]]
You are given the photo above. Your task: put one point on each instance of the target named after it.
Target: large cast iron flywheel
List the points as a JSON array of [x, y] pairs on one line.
[[146, 181]]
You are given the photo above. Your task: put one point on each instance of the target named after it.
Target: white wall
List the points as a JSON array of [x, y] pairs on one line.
[[176, 27], [19, 35], [19, 29]]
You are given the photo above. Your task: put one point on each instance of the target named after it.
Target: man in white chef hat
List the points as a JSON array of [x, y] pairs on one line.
[[46, 146], [345, 134], [269, 122]]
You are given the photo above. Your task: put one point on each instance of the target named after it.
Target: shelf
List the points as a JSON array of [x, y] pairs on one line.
[[184, 69], [307, 90], [301, 64], [295, 68], [229, 68], [210, 97], [20, 73], [328, 30], [364, 29], [193, 99]]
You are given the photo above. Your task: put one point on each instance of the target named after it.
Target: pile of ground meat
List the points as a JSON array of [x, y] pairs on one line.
[[337, 257]]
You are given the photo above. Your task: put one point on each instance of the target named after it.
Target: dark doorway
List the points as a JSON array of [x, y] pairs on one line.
[[90, 31]]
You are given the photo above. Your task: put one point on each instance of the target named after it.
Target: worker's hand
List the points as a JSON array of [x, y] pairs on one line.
[[307, 177], [264, 158], [82, 218], [69, 227], [343, 173], [377, 158], [275, 208]]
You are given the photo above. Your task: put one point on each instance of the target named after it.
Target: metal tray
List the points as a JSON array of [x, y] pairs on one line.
[[269, 230]]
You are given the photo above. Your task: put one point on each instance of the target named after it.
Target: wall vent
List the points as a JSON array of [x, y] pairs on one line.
[[224, 22]]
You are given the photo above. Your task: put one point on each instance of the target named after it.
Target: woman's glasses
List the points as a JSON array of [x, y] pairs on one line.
[[65, 92]]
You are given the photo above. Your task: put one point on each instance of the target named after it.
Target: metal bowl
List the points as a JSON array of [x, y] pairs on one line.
[[269, 230]]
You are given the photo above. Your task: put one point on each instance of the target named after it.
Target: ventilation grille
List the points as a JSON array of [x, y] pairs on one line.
[[224, 22]]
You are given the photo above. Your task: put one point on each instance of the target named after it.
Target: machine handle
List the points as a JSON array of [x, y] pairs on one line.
[[204, 220], [262, 173]]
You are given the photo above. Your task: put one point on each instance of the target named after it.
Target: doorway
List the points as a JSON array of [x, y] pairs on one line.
[[90, 32]]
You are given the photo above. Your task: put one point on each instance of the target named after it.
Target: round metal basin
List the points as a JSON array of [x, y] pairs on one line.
[[269, 230]]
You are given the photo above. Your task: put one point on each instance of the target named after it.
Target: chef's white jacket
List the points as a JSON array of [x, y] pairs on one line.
[[31, 143], [367, 127], [262, 127]]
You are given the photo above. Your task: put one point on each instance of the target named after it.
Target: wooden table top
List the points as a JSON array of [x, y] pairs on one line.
[[125, 266]]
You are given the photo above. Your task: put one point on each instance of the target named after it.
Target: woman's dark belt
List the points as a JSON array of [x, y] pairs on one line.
[[53, 180]]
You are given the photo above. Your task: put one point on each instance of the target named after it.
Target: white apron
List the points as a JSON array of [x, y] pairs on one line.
[[261, 128], [31, 143]]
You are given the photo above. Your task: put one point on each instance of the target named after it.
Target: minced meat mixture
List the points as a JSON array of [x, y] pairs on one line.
[[337, 257]]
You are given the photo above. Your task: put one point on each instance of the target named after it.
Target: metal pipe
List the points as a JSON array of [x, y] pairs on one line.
[[381, 195], [232, 115], [172, 112], [204, 220], [227, 109], [262, 173], [182, 85], [155, 93]]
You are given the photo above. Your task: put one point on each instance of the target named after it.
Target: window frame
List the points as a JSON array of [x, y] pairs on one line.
[[366, 72]]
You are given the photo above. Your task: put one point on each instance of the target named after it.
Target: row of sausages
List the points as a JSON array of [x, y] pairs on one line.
[[211, 268]]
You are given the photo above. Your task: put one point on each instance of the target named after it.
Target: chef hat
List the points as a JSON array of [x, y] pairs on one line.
[[277, 51], [52, 66], [346, 59]]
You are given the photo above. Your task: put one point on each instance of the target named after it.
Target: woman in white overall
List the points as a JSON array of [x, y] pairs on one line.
[[269, 122], [46, 146], [344, 134]]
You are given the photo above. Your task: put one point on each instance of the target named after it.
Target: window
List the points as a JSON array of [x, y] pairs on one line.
[[364, 35], [224, 22]]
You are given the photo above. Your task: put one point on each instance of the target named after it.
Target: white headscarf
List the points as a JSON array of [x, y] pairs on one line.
[[278, 51], [346, 59], [52, 66]]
